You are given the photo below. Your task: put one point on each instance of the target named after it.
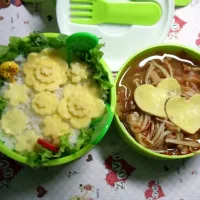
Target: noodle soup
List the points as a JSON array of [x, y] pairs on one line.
[[155, 93]]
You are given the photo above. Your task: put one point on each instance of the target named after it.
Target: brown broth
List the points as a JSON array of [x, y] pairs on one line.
[[137, 69]]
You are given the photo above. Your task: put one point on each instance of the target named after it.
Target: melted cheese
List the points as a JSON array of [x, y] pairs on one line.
[[152, 99], [185, 113]]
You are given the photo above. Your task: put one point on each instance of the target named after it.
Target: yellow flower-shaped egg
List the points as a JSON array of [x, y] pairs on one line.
[[70, 89], [45, 103], [45, 71], [59, 58], [78, 72], [93, 88], [14, 122], [16, 93], [26, 141], [80, 106], [55, 127]]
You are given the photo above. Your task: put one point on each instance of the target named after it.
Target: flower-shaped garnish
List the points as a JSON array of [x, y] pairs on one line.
[[45, 103], [14, 122], [16, 93], [27, 141], [55, 127], [45, 71], [80, 106], [78, 72], [93, 88]]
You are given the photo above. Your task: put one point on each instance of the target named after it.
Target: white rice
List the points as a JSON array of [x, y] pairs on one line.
[[35, 121]]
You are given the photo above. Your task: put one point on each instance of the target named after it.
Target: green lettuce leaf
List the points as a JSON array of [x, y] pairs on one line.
[[11, 51], [35, 159], [3, 104], [2, 80], [36, 43], [3, 50], [93, 58]]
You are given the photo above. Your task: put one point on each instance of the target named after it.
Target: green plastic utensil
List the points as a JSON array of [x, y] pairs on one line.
[[99, 125], [81, 41], [100, 11], [182, 2], [178, 3]]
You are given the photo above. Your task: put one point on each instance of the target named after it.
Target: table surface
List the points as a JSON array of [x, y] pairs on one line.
[[111, 170]]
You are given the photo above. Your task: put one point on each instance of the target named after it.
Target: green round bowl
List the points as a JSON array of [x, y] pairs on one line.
[[12, 154], [124, 134]]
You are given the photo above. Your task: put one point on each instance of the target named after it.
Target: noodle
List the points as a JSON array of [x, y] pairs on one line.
[[169, 67], [190, 144], [191, 149], [164, 71], [160, 140], [149, 71], [145, 138], [159, 131], [155, 78], [151, 132], [194, 87], [137, 83], [139, 139], [184, 149], [144, 124]]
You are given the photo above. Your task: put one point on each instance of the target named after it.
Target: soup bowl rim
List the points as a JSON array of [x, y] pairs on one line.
[[123, 132]]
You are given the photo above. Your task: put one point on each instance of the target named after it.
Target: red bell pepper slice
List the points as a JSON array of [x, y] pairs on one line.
[[47, 145]]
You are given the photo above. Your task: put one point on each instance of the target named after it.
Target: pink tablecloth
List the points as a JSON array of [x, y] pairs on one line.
[[111, 170]]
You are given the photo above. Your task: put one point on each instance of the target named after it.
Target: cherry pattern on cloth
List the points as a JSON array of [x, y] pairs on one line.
[[154, 191], [198, 41], [176, 27]]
